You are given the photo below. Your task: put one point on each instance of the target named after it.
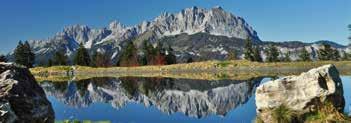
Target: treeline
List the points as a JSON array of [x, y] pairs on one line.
[[130, 56], [148, 55], [272, 53]]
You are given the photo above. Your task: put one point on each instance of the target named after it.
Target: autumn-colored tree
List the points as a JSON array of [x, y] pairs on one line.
[[160, 57]]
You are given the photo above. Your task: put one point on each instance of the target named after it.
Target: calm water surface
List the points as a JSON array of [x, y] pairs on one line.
[[133, 99]]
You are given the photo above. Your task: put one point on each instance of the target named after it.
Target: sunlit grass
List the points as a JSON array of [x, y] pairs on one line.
[[326, 113], [282, 114], [209, 70]]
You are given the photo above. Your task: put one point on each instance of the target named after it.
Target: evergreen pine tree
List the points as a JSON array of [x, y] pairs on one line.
[[336, 55], [19, 54], [100, 60], [24, 55], [257, 54], [286, 57], [345, 56], [148, 53], [272, 53], [170, 57], [328, 53], [82, 56], [129, 56], [60, 58], [50, 63], [189, 60], [248, 51], [3, 58], [160, 58], [30, 56], [304, 55]]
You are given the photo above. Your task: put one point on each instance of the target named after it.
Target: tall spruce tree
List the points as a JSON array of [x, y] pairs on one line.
[[328, 53], [60, 58], [272, 54], [19, 54], [50, 63], [170, 57], [304, 55], [345, 56], [148, 53], [286, 57], [100, 60], [3, 58], [129, 56], [30, 56], [160, 57], [82, 56], [24, 55], [190, 60], [248, 51], [336, 55], [257, 54]]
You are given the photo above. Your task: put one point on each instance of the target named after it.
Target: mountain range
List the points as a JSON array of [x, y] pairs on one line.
[[198, 33]]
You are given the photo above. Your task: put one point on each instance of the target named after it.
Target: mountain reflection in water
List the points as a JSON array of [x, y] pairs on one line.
[[194, 98]]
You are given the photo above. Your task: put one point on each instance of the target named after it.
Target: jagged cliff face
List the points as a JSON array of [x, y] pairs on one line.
[[214, 21], [203, 34], [195, 98]]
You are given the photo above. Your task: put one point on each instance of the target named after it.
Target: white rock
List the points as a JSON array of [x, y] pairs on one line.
[[300, 93]]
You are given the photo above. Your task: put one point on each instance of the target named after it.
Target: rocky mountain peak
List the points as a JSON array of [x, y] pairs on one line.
[[116, 25], [214, 21], [76, 28], [218, 7]]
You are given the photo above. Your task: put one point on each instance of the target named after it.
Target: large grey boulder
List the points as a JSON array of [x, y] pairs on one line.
[[302, 93], [21, 98]]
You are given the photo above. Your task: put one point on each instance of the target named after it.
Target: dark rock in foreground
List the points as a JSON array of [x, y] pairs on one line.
[[21, 98], [303, 93]]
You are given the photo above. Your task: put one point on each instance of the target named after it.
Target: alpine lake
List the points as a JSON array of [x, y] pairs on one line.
[[132, 99]]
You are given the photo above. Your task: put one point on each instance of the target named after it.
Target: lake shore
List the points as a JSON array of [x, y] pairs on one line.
[[210, 70]]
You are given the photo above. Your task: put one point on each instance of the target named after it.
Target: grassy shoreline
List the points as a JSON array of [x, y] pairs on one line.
[[212, 70]]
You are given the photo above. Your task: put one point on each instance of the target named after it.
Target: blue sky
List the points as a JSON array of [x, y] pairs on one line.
[[278, 20]]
